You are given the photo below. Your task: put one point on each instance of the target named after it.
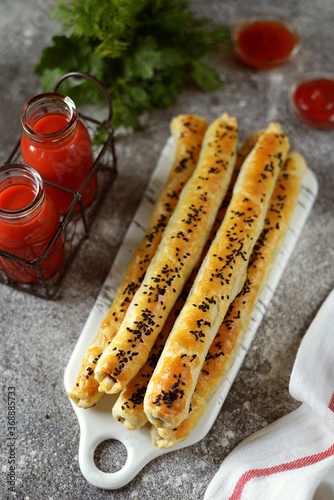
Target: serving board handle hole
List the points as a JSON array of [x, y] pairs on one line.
[[106, 463], [110, 455]]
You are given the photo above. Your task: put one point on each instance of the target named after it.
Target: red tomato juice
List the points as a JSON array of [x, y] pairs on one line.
[[28, 235], [65, 162], [16, 197]]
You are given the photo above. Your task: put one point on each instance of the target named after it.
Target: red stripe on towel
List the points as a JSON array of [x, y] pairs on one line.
[[295, 464], [331, 403]]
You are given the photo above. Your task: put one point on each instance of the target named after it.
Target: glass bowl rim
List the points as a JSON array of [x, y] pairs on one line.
[[251, 18]]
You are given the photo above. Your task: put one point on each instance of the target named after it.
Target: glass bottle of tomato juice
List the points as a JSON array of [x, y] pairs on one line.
[[29, 226], [57, 144]]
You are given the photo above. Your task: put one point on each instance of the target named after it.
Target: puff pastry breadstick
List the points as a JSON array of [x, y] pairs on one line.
[[178, 253], [220, 278], [187, 132], [229, 336], [129, 406]]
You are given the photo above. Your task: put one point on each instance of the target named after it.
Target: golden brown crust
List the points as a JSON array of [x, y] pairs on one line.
[[178, 253], [129, 407], [220, 278], [167, 438], [188, 133], [223, 349]]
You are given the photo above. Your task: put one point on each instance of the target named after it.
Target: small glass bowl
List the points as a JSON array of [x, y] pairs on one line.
[[314, 94], [286, 29]]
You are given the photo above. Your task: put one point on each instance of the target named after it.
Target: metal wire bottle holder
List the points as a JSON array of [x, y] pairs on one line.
[[75, 224]]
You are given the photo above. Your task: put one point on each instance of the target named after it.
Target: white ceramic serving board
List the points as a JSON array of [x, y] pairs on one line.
[[97, 424]]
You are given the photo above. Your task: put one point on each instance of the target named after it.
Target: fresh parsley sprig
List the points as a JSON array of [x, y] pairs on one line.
[[144, 51]]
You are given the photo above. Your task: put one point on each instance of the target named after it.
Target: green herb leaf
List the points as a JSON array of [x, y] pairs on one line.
[[206, 78], [144, 61], [68, 53]]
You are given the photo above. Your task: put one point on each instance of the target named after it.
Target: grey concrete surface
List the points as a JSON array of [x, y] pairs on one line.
[[37, 336]]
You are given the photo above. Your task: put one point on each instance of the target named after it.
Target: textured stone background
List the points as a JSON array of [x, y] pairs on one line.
[[37, 336]]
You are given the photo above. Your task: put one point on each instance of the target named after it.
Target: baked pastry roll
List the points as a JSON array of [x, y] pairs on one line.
[[178, 253], [129, 406], [227, 341], [219, 279], [187, 132]]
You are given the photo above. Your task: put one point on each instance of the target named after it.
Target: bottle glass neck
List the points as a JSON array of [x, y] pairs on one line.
[[17, 178], [52, 103]]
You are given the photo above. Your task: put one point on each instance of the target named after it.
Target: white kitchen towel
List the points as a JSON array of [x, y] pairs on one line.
[[290, 458]]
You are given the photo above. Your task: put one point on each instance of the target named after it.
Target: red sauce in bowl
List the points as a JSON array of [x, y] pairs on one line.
[[312, 101], [265, 43]]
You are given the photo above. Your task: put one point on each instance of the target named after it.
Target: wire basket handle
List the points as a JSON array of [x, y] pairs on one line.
[[80, 74]]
